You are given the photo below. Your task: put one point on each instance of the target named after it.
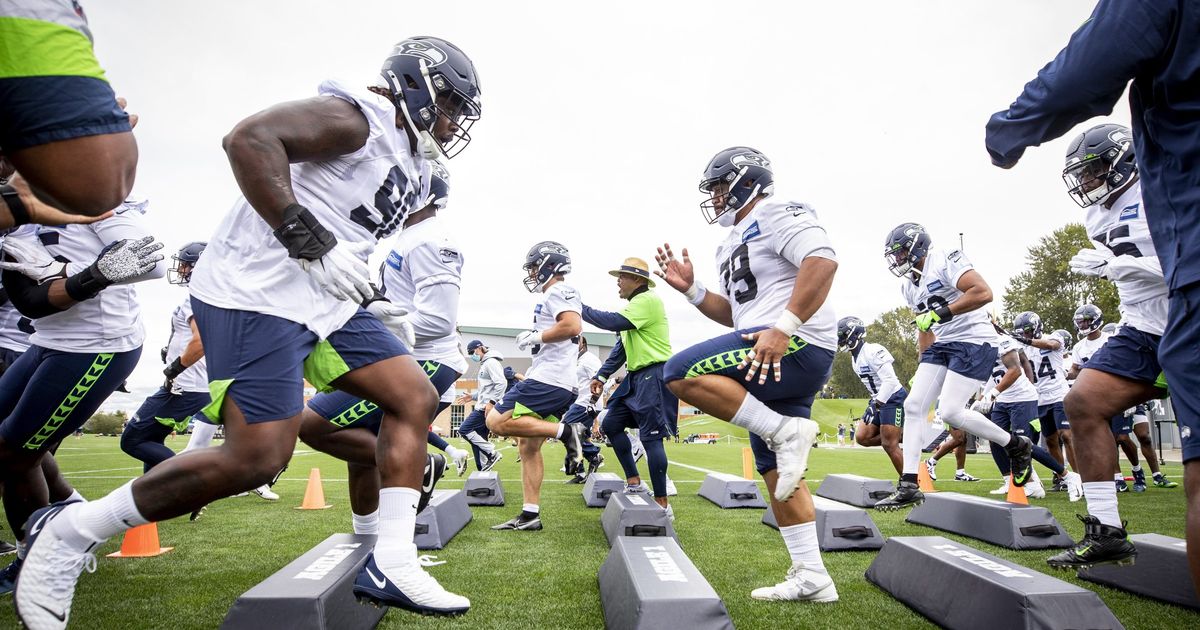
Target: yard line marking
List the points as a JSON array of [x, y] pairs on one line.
[[703, 470], [85, 472]]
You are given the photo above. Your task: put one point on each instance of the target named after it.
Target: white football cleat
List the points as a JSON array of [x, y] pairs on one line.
[[1003, 489], [1034, 490], [265, 492], [671, 491], [460, 461], [932, 470], [409, 587], [1074, 485], [50, 572], [670, 512], [801, 585], [792, 441]]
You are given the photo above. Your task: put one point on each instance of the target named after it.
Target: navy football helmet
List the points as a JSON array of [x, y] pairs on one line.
[[1027, 326], [429, 78], [439, 186], [850, 333], [1066, 338], [543, 262], [906, 245], [184, 261], [1088, 319], [733, 178], [1099, 162]]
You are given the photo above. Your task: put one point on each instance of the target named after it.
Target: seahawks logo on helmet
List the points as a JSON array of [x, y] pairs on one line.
[[421, 50], [742, 159]]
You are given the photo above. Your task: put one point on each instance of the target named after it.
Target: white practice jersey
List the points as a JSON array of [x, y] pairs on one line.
[[1050, 372], [491, 381], [423, 274], [758, 261], [1085, 348], [1123, 230], [195, 377], [360, 197], [111, 321], [938, 285], [1021, 390], [871, 358], [586, 367], [15, 328], [554, 363]]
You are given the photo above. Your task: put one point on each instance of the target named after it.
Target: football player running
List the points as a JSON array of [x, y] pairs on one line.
[[531, 409], [776, 266], [1102, 176], [1046, 353], [884, 419], [957, 343], [276, 299]]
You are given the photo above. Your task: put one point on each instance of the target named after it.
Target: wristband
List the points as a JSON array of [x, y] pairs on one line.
[[695, 293], [377, 296], [302, 235], [175, 369], [788, 323], [16, 207], [86, 284], [943, 313], [602, 378]]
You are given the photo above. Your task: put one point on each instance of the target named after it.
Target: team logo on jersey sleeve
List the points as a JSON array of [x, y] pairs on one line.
[[395, 260], [448, 255], [1130, 212], [751, 232], [935, 285], [421, 50]]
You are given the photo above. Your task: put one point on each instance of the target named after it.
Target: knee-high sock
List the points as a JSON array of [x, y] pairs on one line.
[[956, 391], [202, 435], [621, 445], [926, 386], [656, 460]]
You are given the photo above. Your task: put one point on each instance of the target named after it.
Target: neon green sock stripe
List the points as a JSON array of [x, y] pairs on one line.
[[81, 389], [35, 48]]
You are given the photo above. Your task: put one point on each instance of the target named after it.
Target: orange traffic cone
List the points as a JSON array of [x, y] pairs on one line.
[[924, 481], [314, 494], [141, 542], [1016, 494]]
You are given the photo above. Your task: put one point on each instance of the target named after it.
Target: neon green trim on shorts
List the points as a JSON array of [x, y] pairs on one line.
[[351, 415], [520, 411], [36, 48], [323, 366], [1161, 383], [729, 359], [1036, 424], [78, 392], [217, 390]]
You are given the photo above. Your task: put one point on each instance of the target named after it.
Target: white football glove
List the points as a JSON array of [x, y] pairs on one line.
[[342, 272], [1091, 262], [396, 320], [984, 404], [32, 260], [527, 339]]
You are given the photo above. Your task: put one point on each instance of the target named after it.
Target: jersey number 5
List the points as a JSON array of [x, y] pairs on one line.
[[737, 269]]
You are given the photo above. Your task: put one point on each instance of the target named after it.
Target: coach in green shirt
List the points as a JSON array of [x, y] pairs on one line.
[[642, 401]]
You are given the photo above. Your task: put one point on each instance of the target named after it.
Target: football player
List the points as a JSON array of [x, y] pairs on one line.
[[957, 343], [776, 266], [532, 408], [419, 286], [75, 282], [1046, 353], [583, 411], [884, 418], [277, 298], [1102, 176], [493, 382]]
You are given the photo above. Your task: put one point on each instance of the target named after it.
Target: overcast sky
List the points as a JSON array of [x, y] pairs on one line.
[[598, 121]]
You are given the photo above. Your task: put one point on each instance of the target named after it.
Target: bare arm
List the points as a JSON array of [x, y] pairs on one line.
[[1012, 361], [813, 281], [568, 324], [194, 351], [1046, 343], [976, 293]]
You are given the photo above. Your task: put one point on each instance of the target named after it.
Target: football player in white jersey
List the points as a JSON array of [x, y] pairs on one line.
[[884, 418], [1046, 354], [421, 278], [584, 411], [1102, 176], [75, 282], [776, 266], [958, 350], [492, 385], [276, 299], [531, 410]]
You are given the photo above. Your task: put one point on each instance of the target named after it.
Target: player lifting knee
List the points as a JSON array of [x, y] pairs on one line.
[[884, 418]]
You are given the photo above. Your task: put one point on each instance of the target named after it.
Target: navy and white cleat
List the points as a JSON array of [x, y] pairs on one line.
[[50, 572], [415, 590], [435, 467], [490, 460], [8, 576]]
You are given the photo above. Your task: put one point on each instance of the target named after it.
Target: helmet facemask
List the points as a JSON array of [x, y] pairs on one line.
[[728, 194], [180, 271], [1088, 181]]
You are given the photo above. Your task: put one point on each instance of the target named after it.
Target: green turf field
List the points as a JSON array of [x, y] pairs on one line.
[[543, 579]]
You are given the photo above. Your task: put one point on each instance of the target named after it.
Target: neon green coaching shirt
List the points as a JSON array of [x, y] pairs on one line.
[[650, 341]]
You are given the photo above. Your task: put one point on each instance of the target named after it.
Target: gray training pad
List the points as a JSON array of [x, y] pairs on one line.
[[598, 486], [956, 586], [840, 527], [999, 522], [313, 592], [731, 491], [649, 583], [635, 515], [855, 489], [446, 514], [483, 488], [1161, 571]]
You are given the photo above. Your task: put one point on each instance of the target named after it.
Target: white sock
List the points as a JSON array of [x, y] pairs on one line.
[[1137, 468], [366, 523], [960, 471], [1118, 477], [932, 461], [801, 542], [75, 496], [99, 520], [561, 428], [756, 417], [1101, 497], [480, 443], [202, 436], [21, 549], [532, 508], [397, 520], [453, 451]]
